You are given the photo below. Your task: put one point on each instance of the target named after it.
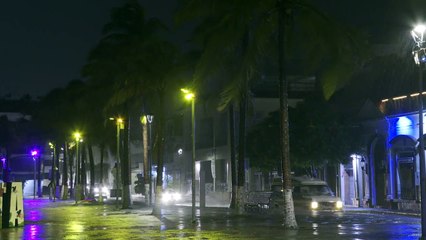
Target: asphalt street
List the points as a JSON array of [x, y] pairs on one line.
[[45, 219]]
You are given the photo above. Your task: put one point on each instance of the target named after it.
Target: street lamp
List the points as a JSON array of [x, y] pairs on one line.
[[419, 55], [34, 154], [150, 118], [120, 125], [190, 96], [78, 191], [52, 189]]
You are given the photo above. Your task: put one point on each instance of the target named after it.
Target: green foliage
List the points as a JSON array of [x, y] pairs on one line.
[[319, 135], [59, 111], [237, 36], [133, 60], [232, 42]]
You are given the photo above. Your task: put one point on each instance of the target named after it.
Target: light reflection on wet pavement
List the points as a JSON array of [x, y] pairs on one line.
[[64, 220]]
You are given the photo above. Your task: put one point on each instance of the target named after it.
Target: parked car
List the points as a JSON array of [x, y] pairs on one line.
[[308, 193]]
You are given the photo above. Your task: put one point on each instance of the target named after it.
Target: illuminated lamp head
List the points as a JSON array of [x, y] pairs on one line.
[[34, 153]]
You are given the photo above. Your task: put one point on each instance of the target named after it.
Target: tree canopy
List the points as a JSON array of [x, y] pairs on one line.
[[319, 134]]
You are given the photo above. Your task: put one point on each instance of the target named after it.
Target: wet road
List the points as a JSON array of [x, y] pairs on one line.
[[64, 220]]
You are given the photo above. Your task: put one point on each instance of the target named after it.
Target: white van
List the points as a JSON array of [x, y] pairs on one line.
[[309, 193]]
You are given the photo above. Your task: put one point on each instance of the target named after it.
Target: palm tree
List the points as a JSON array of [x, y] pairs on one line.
[[58, 114], [140, 66], [289, 215], [242, 32], [227, 40], [113, 65]]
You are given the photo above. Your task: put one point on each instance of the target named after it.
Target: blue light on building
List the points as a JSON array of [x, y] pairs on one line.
[[404, 126]]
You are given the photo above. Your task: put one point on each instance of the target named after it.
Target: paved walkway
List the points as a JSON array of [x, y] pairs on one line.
[[383, 211]]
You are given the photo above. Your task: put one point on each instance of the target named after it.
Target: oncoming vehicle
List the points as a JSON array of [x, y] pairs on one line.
[[101, 191], [309, 193], [170, 197]]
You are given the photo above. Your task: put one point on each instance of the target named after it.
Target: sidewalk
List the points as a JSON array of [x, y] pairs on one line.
[[382, 210]]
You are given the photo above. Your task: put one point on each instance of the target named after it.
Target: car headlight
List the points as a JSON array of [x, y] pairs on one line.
[[167, 197], [339, 204], [177, 196], [314, 205]]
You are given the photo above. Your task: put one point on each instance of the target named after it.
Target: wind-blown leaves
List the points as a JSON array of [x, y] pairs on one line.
[[330, 50]]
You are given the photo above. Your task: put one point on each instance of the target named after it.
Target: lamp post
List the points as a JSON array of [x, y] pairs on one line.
[[34, 154], [190, 96], [419, 54], [52, 189], [120, 125], [77, 195], [150, 118]]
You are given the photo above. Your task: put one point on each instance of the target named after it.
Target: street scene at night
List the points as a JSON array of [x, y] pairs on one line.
[[212, 119]]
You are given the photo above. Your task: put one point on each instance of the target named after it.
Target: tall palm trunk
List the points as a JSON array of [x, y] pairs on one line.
[[125, 166], [145, 159], [289, 216], [242, 128], [64, 191], [72, 179], [92, 170], [83, 174], [233, 159], [159, 153], [241, 154], [55, 170], [101, 175]]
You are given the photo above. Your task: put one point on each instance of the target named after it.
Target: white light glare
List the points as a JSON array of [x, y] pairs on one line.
[[420, 28], [167, 197], [339, 204], [418, 34]]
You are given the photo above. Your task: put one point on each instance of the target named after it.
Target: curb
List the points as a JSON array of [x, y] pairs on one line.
[[384, 211]]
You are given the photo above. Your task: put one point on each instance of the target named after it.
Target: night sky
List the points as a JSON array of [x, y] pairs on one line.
[[45, 43]]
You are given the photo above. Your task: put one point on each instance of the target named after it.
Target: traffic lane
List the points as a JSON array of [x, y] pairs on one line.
[[312, 224]]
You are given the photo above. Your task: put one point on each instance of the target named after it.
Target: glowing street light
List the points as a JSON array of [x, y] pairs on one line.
[[34, 153], [77, 136], [419, 55], [190, 96]]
